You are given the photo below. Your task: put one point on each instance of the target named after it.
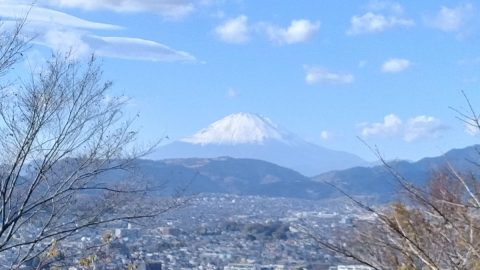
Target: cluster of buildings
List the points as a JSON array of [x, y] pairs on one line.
[[216, 232]]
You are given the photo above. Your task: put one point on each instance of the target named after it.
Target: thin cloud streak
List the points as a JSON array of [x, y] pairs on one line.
[[174, 9], [137, 49], [63, 32], [315, 75], [38, 15]]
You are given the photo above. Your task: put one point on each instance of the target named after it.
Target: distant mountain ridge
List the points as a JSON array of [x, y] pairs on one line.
[[378, 181], [256, 177], [246, 135], [225, 175]]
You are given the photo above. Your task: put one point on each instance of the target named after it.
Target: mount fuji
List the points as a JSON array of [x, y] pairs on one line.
[[246, 135]]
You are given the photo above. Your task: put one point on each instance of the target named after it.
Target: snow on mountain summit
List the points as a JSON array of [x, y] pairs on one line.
[[251, 136], [239, 128]]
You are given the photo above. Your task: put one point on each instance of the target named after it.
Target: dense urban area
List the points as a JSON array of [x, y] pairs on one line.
[[216, 232]]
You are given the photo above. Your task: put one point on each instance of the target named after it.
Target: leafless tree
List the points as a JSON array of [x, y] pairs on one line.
[[433, 227], [59, 133]]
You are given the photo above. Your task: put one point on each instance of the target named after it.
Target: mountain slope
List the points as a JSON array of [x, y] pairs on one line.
[[380, 182], [225, 175], [245, 135]]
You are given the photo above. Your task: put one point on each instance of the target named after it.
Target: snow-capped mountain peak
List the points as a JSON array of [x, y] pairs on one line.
[[239, 128], [247, 135]]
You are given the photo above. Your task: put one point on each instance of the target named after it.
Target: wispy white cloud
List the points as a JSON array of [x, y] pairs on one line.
[[395, 65], [63, 41], [372, 22], [326, 135], [238, 30], [390, 126], [63, 32], [452, 19], [415, 128], [81, 44], [380, 16], [231, 92], [136, 49], [298, 31], [385, 6], [421, 127], [316, 75], [235, 30], [167, 8], [170, 9], [472, 128], [49, 17]]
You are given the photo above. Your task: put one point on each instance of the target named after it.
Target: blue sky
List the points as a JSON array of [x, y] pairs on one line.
[[330, 71]]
